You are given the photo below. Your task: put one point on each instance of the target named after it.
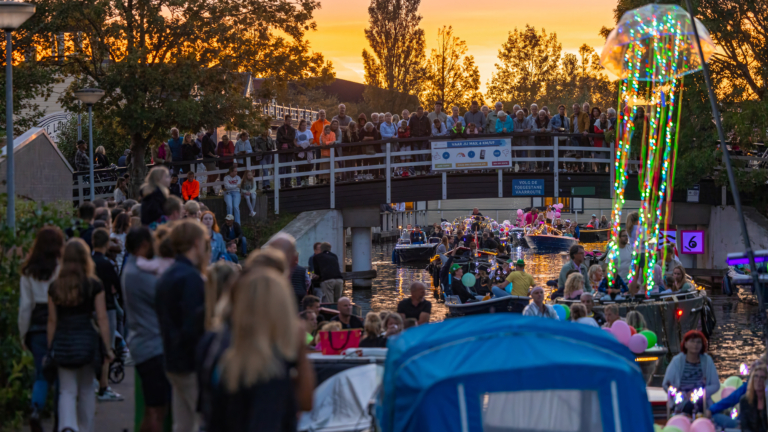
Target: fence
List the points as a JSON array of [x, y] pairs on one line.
[[283, 167], [277, 111]]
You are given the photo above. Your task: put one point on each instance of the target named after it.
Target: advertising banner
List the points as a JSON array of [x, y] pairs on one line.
[[472, 154]]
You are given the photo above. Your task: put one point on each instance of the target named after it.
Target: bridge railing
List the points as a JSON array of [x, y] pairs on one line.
[[379, 159]]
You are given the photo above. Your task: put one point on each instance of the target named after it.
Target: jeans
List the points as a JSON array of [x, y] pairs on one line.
[[266, 160], [725, 421], [37, 342], [285, 158], [232, 198], [77, 400], [499, 292], [243, 246], [250, 199]]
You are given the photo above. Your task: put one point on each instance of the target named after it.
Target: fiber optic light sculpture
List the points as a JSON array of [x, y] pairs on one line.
[[650, 49]]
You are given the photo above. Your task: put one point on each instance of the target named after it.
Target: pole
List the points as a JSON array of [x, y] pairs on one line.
[[79, 125], [90, 152], [729, 168], [11, 216]]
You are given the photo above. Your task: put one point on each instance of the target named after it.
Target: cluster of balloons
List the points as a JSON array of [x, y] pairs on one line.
[[681, 423], [726, 388], [563, 311], [636, 342]]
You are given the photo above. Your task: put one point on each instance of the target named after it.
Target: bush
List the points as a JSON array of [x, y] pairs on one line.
[[16, 365]]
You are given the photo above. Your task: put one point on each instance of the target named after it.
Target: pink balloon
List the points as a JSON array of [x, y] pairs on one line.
[[519, 212], [608, 329], [557, 214], [681, 422], [702, 425], [727, 392], [638, 344], [621, 330]]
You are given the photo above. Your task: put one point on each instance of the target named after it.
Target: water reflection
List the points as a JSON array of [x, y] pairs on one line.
[[736, 339]]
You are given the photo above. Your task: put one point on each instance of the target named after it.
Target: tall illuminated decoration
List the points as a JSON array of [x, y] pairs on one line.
[[650, 49]]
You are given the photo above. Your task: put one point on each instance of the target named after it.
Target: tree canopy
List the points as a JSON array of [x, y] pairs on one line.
[[451, 76]]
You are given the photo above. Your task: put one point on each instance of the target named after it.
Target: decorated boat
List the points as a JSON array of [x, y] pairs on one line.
[[548, 242], [593, 235], [514, 304], [407, 252]]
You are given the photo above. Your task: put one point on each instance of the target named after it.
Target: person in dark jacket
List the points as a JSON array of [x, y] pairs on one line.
[[450, 278], [326, 265], [420, 126], [85, 213], [180, 307], [417, 236], [175, 187], [189, 150], [154, 191], [286, 140], [752, 410], [231, 231], [208, 151]]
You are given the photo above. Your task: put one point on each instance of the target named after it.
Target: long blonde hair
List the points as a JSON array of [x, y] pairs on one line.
[[574, 283], [152, 181], [76, 268], [750, 384], [220, 277], [372, 325], [636, 320], [265, 329]]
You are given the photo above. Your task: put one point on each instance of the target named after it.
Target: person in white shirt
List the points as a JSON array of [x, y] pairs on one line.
[[438, 128], [242, 146], [579, 315], [537, 308], [232, 192]]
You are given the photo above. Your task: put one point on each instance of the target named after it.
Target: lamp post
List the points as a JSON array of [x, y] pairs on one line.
[[12, 16], [90, 96]]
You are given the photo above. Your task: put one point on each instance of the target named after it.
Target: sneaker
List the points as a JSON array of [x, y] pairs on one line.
[[34, 421], [109, 396]]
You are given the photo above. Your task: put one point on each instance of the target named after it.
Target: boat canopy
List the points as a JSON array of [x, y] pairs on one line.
[[511, 373]]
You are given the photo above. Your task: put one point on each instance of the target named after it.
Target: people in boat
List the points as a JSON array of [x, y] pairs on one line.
[[719, 412], [679, 280], [477, 217], [416, 306], [482, 281], [752, 411], [345, 317], [499, 275], [393, 325], [309, 318], [692, 369], [531, 216], [574, 286], [488, 242], [636, 320], [517, 283], [589, 302], [595, 275], [579, 315], [577, 255], [329, 326], [670, 261], [372, 337], [593, 223], [537, 307], [611, 314], [615, 291], [603, 222], [417, 236]]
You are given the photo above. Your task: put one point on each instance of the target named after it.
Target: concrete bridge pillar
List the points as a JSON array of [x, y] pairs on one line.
[[360, 220]]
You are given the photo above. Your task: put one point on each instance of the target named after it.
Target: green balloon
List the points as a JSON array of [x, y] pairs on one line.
[[567, 312], [671, 429], [651, 336], [468, 280], [734, 381]]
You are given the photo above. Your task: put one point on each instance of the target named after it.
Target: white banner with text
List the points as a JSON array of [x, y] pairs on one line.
[[472, 154]]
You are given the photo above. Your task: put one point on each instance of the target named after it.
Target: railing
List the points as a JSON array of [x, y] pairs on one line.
[[384, 160], [278, 112]]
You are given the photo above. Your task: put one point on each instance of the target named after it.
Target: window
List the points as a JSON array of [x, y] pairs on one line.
[[541, 411], [566, 202]]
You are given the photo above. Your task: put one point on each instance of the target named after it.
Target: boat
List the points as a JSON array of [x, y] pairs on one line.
[[541, 242], [514, 304], [508, 372], [592, 235], [406, 252]]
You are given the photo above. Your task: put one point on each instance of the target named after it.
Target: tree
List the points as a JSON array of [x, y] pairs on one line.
[[179, 63], [451, 75], [529, 61], [396, 60]]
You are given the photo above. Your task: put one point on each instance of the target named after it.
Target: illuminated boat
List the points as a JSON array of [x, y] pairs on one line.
[[548, 242], [591, 235], [405, 252], [514, 304]]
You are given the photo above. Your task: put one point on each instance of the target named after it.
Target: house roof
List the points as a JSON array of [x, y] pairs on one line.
[[30, 136]]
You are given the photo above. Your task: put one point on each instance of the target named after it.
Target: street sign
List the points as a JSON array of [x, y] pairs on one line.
[[692, 242], [533, 187], [583, 190]]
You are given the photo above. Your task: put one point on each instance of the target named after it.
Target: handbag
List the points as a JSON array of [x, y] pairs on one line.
[[334, 342]]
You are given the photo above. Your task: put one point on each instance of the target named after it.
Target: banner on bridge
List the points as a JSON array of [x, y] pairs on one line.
[[472, 154]]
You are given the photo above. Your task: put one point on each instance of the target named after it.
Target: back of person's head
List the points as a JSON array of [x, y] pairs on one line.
[[102, 214], [285, 243], [163, 243], [122, 223], [192, 208], [331, 326], [269, 257], [43, 259], [309, 301], [115, 212], [111, 205], [100, 203], [136, 210], [325, 247], [578, 310], [220, 276], [264, 328], [100, 238], [128, 204], [410, 322], [136, 238], [636, 320], [372, 325], [76, 267], [186, 234], [173, 204], [86, 211], [154, 180], [575, 282], [99, 224]]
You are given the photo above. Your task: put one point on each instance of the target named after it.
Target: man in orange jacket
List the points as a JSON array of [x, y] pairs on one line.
[[190, 190]]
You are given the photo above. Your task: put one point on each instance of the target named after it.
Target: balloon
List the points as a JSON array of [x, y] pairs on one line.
[[638, 344], [651, 336], [620, 329], [702, 425], [672, 429], [657, 428], [680, 421], [567, 311], [718, 396], [733, 381], [633, 331], [608, 329], [557, 214], [559, 206], [560, 311], [727, 392], [468, 280]]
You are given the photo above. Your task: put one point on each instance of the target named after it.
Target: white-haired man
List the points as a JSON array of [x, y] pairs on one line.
[[490, 120]]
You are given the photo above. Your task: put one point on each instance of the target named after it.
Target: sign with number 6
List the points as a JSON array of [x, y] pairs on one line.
[[692, 242]]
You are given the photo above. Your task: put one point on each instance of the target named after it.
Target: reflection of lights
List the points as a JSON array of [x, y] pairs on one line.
[[744, 369], [646, 359]]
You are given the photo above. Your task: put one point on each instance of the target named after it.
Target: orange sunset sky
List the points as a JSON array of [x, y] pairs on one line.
[[483, 24]]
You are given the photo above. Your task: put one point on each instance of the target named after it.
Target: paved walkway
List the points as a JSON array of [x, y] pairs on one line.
[[111, 416]]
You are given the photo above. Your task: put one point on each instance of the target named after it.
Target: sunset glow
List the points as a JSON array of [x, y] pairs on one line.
[[483, 24]]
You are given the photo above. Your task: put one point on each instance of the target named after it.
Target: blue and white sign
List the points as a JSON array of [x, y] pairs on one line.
[[533, 187], [472, 154]]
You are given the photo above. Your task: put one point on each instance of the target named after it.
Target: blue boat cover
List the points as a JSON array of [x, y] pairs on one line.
[[511, 373]]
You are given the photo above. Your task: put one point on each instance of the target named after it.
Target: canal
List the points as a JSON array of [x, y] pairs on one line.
[[736, 339]]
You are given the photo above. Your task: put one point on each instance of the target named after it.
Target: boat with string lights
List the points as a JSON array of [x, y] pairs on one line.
[[547, 238]]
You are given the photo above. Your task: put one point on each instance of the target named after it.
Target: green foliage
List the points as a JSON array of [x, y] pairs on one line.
[[105, 133], [258, 232], [16, 365], [451, 76]]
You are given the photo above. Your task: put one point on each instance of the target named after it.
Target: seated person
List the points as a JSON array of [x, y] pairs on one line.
[[517, 283], [615, 291], [588, 301], [458, 288], [579, 315], [636, 320], [669, 285], [720, 412], [417, 236], [483, 282], [679, 282], [574, 286]]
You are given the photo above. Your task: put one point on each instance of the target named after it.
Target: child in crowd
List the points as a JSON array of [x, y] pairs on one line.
[[175, 188], [232, 250], [190, 190]]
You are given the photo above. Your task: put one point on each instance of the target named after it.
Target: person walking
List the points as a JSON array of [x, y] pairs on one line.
[[180, 307], [72, 300], [326, 267], [37, 273]]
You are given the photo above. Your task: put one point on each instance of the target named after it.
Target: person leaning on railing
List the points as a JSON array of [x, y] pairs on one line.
[[351, 135], [560, 123], [286, 139], [420, 127], [541, 125], [264, 145]]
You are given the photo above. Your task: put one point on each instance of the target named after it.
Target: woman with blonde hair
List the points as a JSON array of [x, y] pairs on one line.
[[218, 247], [680, 282], [254, 373], [100, 159], [574, 286], [636, 320], [372, 332], [154, 192], [752, 411], [73, 298], [220, 277]]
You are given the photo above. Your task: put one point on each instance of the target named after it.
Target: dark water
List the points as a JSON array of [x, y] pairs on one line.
[[736, 340]]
